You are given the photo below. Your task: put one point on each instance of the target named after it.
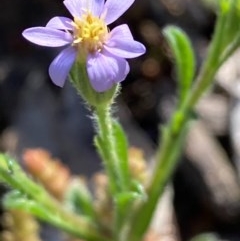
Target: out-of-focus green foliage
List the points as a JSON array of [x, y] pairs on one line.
[[184, 57]]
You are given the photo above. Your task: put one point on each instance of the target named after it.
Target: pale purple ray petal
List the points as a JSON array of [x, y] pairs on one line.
[[105, 70], [79, 7], [96, 7], [75, 7], [125, 48], [61, 66], [60, 23], [122, 71], [121, 31], [122, 44], [113, 9], [47, 37]]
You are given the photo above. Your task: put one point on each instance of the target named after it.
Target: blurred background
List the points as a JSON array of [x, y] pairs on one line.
[[205, 193]]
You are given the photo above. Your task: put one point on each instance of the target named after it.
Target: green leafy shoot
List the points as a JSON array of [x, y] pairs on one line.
[[184, 57]]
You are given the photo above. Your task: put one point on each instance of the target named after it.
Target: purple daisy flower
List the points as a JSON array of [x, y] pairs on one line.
[[88, 36]]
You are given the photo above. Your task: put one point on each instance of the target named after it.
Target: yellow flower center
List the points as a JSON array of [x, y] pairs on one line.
[[89, 33]]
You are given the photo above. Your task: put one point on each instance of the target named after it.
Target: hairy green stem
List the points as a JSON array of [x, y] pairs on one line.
[[107, 147]]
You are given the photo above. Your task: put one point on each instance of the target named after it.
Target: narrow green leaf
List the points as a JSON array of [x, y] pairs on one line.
[[79, 199], [16, 200], [101, 148], [122, 151], [124, 202], [75, 227], [184, 56], [13, 175]]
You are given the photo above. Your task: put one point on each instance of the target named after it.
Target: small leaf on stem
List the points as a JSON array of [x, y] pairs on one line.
[[184, 57]]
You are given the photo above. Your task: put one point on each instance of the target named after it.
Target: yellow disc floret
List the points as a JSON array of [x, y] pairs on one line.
[[89, 33]]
